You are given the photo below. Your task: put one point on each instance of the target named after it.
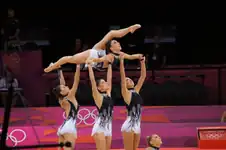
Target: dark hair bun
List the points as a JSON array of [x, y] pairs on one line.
[[54, 90], [148, 139]]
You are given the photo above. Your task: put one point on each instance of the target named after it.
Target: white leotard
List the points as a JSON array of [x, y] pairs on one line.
[[69, 124], [96, 54]]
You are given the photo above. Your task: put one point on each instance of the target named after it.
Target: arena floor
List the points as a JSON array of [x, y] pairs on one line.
[[171, 149], [138, 149], [39, 125]]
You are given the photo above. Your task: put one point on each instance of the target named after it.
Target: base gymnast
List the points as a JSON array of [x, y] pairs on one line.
[[98, 51], [101, 91], [131, 127], [67, 132]]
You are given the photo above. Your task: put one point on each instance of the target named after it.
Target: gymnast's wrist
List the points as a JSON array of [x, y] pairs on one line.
[[94, 60]]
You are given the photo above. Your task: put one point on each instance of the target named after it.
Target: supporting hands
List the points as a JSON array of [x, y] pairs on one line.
[[141, 57], [121, 56], [78, 66], [109, 59], [142, 60], [89, 61]]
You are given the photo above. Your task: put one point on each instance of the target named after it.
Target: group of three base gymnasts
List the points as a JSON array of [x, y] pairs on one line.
[[107, 51]]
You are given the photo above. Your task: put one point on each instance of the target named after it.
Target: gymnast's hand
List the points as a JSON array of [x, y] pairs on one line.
[[89, 61], [140, 56], [109, 58], [78, 65], [133, 28], [121, 56], [142, 60]]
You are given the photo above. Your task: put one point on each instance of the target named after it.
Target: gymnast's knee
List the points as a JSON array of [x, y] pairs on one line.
[[67, 58]]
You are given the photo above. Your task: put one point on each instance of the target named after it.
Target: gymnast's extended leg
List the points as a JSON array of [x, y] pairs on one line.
[[61, 61], [115, 34], [79, 58]]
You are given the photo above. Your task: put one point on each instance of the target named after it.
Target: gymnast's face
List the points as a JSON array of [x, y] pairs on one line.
[[115, 46], [102, 85], [64, 90], [129, 83], [156, 140]]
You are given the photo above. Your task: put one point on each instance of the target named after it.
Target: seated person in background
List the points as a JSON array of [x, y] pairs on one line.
[[5, 82], [223, 118], [10, 31], [154, 142]]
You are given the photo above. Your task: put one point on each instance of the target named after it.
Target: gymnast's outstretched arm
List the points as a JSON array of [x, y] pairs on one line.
[[142, 75], [99, 60], [126, 56], [115, 34], [62, 80], [96, 95], [109, 77], [124, 90], [76, 80], [133, 56]]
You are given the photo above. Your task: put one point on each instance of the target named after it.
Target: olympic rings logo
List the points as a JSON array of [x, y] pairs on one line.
[[13, 138], [86, 116], [216, 135]]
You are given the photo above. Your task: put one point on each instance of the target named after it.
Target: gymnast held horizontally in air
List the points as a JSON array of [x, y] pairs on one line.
[[99, 53]]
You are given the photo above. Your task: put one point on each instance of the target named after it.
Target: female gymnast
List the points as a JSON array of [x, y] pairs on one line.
[[113, 48], [130, 93], [67, 132], [154, 142], [98, 50], [102, 129]]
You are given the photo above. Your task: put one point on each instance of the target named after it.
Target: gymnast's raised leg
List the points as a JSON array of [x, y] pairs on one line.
[[79, 58]]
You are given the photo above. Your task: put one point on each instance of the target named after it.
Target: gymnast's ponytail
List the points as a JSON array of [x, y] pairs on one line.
[[108, 47], [148, 139], [56, 91]]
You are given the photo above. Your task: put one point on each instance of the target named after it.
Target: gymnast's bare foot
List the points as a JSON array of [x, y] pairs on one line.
[[133, 28], [50, 68]]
